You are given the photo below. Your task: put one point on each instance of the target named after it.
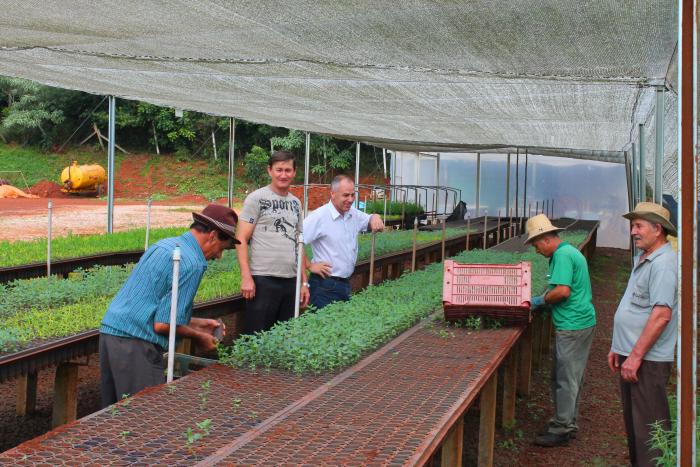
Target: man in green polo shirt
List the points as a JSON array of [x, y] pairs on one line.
[[569, 296]]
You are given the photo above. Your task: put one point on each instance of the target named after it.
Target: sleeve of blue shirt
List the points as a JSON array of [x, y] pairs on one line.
[[188, 284], [562, 272], [363, 218], [662, 285]]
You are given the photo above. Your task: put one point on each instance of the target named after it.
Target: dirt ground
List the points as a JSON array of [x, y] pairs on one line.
[[26, 219]]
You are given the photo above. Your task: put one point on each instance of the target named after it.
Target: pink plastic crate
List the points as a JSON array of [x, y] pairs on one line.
[[499, 291]]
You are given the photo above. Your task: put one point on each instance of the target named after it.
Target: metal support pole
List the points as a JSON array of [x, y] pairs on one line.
[[478, 182], [148, 223], [508, 185], [635, 178], [300, 265], [553, 216], [529, 210], [48, 240], [173, 313], [443, 239], [525, 186], [642, 165], [486, 221], [469, 228], [231, 155], [385, 196], [357, 173], [371, 260], [307, 158], [110, 164], [687, 232], [437, 182], [517, 183], [498, 228], [384, 162], [415, 233], [659, 159]]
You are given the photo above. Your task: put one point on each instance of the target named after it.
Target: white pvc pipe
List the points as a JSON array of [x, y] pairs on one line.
[[300, 262], [148, 223], [173, 313], [307, 158], [48, 242], [110, 164]]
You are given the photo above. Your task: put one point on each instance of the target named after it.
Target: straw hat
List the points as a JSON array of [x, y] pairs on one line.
[[538, 225], [654, 213], [220, 218]]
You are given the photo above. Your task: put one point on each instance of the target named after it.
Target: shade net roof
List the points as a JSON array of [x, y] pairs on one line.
[[560, 76]]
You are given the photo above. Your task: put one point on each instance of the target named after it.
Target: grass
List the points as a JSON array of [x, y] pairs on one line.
[[37, 165], [72, 246], [665, 441]]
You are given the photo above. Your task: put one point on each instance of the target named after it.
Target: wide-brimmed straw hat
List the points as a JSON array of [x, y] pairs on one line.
[[654, 213], [220, 218], [538, 225]]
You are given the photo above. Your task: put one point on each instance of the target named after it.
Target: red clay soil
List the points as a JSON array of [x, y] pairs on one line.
[[47, 189]]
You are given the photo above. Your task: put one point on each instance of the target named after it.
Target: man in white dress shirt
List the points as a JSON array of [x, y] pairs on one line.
[[332, 230]]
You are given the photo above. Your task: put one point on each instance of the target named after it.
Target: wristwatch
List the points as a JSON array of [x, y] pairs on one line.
[[305, 284]]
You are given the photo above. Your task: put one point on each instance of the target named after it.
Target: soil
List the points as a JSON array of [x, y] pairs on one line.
[[47, 189]]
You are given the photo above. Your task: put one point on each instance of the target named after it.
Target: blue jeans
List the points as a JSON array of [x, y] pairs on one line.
[[326, 291]]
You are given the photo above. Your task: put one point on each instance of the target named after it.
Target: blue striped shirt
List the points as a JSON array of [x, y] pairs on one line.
[[144, 298]]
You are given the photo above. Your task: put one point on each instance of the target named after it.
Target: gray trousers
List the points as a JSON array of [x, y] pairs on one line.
[[569, 361], [128, 365]]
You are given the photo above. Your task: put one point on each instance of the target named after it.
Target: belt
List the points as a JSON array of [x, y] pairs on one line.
[[335, 278]]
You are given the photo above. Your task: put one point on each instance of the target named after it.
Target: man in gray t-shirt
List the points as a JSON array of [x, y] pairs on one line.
[[270, 220], [644, 332]]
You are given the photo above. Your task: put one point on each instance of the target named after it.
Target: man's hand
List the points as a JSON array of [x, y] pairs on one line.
[[207, 325], [304, 296], [613, 361], [321, 268], [628, 370], [375, 223], [248, 288], [207, 342], [536, 302]]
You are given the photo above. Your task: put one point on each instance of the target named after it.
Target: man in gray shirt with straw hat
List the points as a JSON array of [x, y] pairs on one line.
[[645, 330]]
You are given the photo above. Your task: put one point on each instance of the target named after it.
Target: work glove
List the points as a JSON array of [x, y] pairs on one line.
[[537, 302]]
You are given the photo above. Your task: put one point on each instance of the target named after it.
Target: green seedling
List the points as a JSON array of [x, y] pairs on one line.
[[114, 410], [124, 434], [171, 388], [236, 404], [125, 400], [204, 395]]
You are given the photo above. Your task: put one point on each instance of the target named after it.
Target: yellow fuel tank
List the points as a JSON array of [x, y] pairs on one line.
[[82, 178]]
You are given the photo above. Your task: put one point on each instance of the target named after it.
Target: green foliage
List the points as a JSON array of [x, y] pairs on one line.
[[339, 334], [394, 208], [37, 166], [665, 441], [256, 162], [71, 246]]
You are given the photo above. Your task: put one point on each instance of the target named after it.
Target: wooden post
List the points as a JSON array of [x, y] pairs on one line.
[[444, 225], [487, 421], [510, 379], [536, 341], [65, 397], [26, 394], [547, 326], [525, 358], [452, 445]]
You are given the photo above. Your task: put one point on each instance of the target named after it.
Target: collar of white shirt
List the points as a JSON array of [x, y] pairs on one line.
[[335, 214]]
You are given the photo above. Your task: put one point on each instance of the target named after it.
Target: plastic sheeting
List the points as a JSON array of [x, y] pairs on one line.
[[553, 74]]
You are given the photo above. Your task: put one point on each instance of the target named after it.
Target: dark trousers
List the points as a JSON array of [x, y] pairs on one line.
[[127, 366], [644, 403], [273, 302], [326, 291]]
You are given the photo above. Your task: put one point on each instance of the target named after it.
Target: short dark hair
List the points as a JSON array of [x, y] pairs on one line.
[[203, 228], [281, 156]]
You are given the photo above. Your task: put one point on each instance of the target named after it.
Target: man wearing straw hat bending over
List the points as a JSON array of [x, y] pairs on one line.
[[569, 295], [645, 330], [134, 331]]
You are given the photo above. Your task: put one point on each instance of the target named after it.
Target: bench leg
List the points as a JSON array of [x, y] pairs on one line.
[[536, 341], [452, 446], [26, 394], [487, 421], [525, 358], [510, 376], [65, 397]]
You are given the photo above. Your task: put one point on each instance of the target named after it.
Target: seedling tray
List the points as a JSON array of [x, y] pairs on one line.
[[498, 291]]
